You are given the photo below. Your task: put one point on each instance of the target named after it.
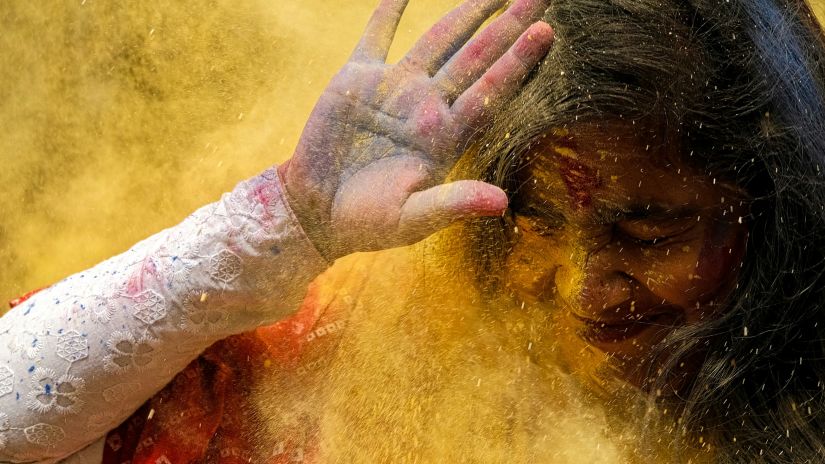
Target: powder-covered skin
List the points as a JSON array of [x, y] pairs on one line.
[[119, 120], [579, 179], [654, 248], [368, 171]]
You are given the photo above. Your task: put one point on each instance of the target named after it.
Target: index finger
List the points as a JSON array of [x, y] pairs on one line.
[[380, 31]]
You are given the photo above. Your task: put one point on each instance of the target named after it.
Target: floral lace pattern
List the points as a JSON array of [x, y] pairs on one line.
[[72, 356], [101, 310], [50, 391], [44, 435], [200, 314], [126, 352], [27, 344]]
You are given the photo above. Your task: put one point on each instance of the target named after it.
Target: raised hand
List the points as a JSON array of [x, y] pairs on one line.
[[368, 170]]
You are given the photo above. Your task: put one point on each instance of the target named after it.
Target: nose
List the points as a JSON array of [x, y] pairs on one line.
[[602, 293], [596, 284]]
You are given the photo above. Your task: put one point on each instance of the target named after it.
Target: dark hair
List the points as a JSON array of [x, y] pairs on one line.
[[738, 85]]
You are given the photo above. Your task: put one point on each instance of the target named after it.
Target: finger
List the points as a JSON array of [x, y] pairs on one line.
[[377, 38], [474, 58], [450, 33], [501, 82], [431, 210]]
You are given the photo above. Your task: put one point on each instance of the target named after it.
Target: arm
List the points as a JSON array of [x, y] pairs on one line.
[[80, 356], [367, 175]]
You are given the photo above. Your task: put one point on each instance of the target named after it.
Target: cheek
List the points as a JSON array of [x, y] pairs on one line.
[[538, 263], [668, 272], [719, 259], [528, 268], [707, 272], [689, 271]]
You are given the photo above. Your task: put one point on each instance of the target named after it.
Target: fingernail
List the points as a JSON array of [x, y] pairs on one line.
[[545, 30]]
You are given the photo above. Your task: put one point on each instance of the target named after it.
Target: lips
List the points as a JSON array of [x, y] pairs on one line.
[[620, 326]]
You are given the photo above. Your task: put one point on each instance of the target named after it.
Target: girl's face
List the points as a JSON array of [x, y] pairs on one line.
[[622, 244]]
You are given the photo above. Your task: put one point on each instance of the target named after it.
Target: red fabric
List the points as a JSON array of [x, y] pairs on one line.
[[21, 299], [204, 414]]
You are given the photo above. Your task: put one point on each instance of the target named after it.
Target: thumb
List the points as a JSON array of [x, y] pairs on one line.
[[431, 210]]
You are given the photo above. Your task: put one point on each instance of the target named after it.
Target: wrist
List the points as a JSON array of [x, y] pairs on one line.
[[309, 211]]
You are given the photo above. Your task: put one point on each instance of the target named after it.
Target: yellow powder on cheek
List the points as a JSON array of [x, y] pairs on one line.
[[543, 261]]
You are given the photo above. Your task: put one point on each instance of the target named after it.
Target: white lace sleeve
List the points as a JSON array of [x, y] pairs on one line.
[[77, 358]]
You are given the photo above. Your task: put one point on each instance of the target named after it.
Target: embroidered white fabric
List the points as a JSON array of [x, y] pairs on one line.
[[78, 358]]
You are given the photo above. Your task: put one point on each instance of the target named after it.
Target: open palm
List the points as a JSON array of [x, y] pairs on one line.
[[368, 170]]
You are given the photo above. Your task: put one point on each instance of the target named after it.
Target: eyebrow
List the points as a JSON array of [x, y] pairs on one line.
[[544, 209], [640, 211]]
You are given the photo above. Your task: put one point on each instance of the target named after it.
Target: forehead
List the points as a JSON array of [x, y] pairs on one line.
[[597, 168]]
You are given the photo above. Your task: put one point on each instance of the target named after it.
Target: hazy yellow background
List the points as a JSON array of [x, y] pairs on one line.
[[120, 118], [117, 119]]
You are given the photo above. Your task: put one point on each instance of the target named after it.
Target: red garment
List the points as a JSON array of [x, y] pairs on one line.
[[21, 299], [204, 415]]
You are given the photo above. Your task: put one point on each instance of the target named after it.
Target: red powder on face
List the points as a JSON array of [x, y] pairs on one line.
[[579, 179]]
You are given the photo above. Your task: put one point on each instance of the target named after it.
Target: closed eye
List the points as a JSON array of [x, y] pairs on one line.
[[650, 234], [649, 242]]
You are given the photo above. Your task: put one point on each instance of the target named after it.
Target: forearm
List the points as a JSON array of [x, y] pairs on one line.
[[77, 358]]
